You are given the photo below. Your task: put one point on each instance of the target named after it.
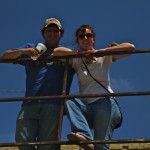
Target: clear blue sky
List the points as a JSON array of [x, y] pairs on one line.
[[114, 21]]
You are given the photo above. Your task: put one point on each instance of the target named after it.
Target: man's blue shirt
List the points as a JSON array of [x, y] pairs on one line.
[[45, 79]]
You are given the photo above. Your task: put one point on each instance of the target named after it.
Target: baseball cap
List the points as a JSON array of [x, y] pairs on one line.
[[52, 21]]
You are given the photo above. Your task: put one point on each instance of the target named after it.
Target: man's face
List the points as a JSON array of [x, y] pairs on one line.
[[52, 35]]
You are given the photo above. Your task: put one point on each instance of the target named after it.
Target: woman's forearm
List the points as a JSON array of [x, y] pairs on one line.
[[118, 47], [61, 51]]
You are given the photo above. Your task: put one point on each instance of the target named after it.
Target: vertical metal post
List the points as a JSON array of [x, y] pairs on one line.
[[63, 101]]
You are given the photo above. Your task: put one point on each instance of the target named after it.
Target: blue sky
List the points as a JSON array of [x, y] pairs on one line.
[[113, 21]]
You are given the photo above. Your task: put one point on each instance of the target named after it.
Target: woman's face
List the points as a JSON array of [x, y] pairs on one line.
[[86, 39]]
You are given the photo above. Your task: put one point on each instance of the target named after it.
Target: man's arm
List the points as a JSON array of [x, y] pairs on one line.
[[13, 54]]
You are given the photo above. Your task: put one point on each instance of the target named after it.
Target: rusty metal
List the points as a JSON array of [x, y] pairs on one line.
[[64, 96], [75, 96], [63, 101], [13, 144], [53, 58]]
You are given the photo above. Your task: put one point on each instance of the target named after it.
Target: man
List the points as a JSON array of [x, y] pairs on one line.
[[39, 120]]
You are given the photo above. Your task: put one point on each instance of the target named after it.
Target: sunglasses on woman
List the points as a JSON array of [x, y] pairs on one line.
[[87, 35]]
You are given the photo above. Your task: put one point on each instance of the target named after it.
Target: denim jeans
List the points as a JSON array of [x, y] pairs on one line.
[[102, 116], [38, 122]]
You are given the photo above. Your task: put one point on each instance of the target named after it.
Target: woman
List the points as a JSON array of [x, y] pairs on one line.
[[100, 113]]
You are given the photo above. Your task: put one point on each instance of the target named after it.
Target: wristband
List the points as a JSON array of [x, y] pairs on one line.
[[20, 52], [78, 52]]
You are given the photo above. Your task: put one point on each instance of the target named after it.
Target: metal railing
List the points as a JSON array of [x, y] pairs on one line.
[[63, 97]]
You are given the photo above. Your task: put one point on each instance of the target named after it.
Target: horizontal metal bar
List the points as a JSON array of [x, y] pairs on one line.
[[75, 96], [13, 91], [53, 58], [13, 144]]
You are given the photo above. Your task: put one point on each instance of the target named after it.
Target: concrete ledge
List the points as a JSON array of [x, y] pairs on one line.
[[131, 146]]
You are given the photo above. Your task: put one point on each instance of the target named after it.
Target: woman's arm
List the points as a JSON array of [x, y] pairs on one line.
[[61, 51], [114, 47], [13, 54]]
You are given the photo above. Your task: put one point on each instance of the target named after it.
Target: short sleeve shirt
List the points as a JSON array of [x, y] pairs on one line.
[[99, 69]]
